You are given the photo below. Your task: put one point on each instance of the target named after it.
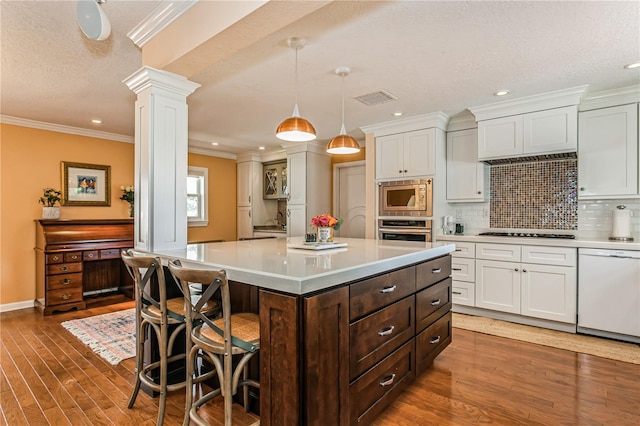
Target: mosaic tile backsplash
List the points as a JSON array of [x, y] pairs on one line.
[[537, 195]]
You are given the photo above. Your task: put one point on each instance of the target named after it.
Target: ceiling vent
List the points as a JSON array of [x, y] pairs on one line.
[[532, 158], [376, 98]]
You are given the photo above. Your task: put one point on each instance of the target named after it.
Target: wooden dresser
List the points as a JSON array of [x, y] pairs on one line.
[[78, 263]]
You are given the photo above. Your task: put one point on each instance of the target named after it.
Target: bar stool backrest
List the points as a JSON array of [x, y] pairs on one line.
[[148, 276]]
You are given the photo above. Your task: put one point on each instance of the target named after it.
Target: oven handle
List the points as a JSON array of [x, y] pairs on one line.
[[405, 230]]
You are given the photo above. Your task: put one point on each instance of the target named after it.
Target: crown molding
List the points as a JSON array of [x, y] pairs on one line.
[[65, 129], [426, 121], [159, 19], [314, 146], [464, 121], [212, 153], [150, 78], [613, 97], [549, 100]]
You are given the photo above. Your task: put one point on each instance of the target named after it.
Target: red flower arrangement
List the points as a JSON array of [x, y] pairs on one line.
[[326, 220]]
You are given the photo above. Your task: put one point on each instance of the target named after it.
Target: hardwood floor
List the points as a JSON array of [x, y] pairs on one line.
[[48, 377]]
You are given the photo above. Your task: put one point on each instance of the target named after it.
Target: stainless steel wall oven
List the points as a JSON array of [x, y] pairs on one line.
[[404, 229]]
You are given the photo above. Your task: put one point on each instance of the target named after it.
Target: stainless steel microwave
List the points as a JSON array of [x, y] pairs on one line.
[[406, 198]]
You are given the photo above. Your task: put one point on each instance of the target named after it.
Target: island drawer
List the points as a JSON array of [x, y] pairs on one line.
[[432, 341], [64, 281], [431, 272], [377, 335], [64, 268], [432, 303], [64, 295], [374, 293], [376, 389]]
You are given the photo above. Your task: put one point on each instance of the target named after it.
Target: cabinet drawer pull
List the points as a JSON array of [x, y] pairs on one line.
[[389, 289], [436, 271], [74, 257], [388, 381], [456, 269], [456, 292], [65, 296], [458, 249], [55, 258], [64, 268], [90, 255], [66, 281], [435, 340], [435, 302], [386, 331]]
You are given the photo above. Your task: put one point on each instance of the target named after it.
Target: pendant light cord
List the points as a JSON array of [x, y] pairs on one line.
[[296, 76]]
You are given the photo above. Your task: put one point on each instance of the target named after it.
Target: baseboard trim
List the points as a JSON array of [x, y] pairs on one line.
[[17, 305], [515, 318]]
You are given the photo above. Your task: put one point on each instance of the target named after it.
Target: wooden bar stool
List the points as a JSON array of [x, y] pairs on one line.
[[217, 340], [162, 315]]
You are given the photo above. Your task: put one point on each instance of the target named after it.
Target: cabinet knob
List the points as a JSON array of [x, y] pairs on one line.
[[399, 171], [64, 268], [516, 269], [524, 270], [90, 255], [288, 212], [582, 188], [55, 258], [479, 192], [405, 171]]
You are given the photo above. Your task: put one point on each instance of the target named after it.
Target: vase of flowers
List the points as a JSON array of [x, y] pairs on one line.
[[325, 226], [48, 200], [128, 195]]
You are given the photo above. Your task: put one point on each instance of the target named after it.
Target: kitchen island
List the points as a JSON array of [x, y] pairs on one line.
[[344, 330]]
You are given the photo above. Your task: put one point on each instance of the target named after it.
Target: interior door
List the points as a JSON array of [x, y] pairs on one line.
[[351, 200]]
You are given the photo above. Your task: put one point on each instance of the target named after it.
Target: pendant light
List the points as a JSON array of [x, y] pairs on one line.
[[296, 128], [343, 143]]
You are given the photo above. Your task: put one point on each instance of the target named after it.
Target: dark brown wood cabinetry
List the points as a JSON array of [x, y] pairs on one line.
[[78, 263], [341, 356]]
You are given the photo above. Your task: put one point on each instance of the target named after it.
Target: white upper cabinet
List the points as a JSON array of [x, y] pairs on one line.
[[297, 171], [542, 132], [406, 155], [608, 153], [467, 179], [244, 181]]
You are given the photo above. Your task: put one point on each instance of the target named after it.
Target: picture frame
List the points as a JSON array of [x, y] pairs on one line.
[[85, 184]]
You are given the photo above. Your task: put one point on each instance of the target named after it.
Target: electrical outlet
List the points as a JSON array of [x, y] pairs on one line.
[[458, 213], [485, 212]]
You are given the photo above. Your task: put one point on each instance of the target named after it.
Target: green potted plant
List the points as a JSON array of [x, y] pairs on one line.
[[48, 200]]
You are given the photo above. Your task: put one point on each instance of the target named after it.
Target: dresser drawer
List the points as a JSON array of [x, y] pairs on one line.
[[432, 271], [463, 269], [432, 341], [64, 268], [90, 255], [372, 294], [55, 258], [432, 303], [377, 335], [74, 256], [372, 392], [463, 293], [110, 254], [64, 281], [464, 250], [64, 295]]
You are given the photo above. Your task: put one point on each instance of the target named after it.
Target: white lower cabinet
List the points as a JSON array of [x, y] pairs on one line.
[[536, 281], [297, 220], [463, 272], [245, 223]]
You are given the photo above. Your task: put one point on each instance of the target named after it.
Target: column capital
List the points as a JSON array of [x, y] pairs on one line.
[[148, 78]]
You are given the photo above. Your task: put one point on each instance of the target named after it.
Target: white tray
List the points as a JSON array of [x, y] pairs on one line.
[[316, 246]]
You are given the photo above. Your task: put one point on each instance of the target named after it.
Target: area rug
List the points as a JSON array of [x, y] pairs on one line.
[[605, 348], [112, 336]]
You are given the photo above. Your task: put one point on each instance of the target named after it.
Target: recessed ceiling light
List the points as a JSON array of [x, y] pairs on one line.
[[96, 121], [261, 147], [501, 93], [397, 114], [214, 143], [632, 66]]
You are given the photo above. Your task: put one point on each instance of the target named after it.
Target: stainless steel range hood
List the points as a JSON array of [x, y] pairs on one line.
[[532, 158]]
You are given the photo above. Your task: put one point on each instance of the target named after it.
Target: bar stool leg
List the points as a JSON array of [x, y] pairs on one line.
[[245, 388], [227, 386], [139, 360]]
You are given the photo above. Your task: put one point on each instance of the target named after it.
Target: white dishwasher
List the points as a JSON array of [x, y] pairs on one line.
[[609, 293]]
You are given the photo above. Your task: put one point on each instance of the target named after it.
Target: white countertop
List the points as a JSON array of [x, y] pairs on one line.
[[579, 242], [270, 264]]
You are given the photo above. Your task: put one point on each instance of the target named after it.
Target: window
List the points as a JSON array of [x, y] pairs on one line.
[[197, 205]]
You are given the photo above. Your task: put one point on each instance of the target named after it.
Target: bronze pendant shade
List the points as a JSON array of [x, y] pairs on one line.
[[296, 128], [343, 143]]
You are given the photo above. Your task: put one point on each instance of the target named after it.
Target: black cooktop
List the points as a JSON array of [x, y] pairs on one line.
[[527, 235]]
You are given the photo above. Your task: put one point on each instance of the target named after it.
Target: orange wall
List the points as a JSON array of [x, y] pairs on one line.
[[222, 199], [30, 161]]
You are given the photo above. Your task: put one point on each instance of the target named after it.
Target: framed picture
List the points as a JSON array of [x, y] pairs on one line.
[[85, 184]]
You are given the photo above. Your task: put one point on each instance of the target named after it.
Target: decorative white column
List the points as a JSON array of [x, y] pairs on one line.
[[161, 139]]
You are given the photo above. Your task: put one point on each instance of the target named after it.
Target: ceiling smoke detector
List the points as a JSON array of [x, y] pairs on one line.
[[376, 98]]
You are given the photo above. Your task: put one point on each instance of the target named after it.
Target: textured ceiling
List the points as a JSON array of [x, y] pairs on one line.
[[433, 55]]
